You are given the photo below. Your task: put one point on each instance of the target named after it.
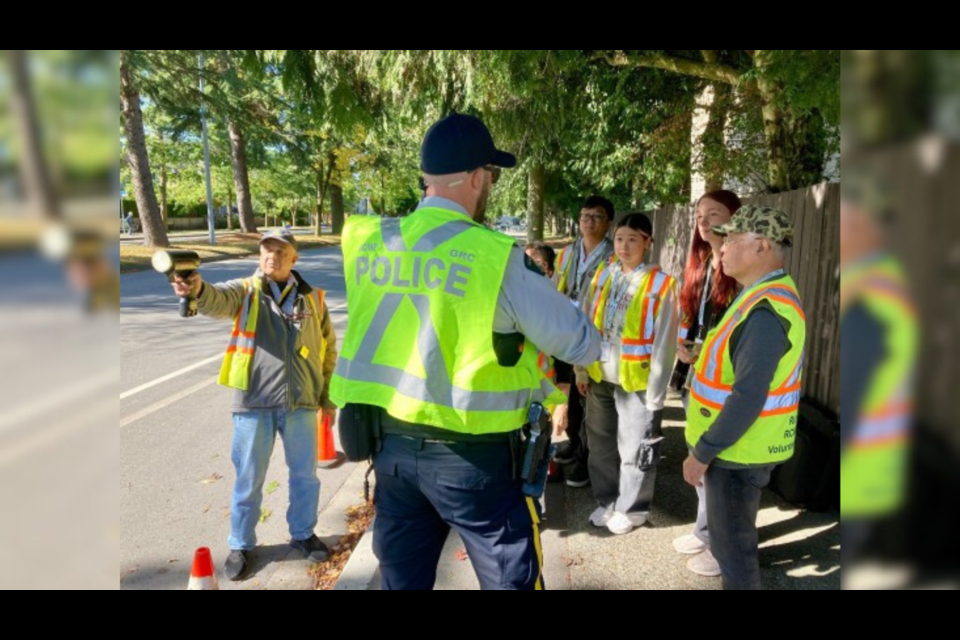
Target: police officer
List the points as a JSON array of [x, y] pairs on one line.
[[745, 395], [440, 352]]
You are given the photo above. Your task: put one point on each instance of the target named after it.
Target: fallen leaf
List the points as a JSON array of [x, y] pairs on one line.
[[214, 477], [207, 508], [163, 571], [265, 514], [273, 486], [462, 555], [172, 560]]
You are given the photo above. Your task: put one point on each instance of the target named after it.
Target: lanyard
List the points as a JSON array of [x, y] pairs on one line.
[[619, 288], [587, 267], [706, 294], [284, 297]]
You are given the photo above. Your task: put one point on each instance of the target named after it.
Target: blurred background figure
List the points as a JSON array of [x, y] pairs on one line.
[[544, 256], [900, 489], [878, 338], [59, 152], [91, 274]]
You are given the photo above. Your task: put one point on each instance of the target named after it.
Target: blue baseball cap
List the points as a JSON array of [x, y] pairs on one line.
[[460, 143]]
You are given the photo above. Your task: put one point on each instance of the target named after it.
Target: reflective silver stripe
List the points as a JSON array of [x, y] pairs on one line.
[[378, 326], [392, 236], [871, 430], [637, 350], [438, 384], [795, 376], [658, 281], [774, 400], [419, 389], [444, 233]]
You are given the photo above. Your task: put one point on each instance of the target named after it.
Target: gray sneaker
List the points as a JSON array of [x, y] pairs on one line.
[[312, 548]]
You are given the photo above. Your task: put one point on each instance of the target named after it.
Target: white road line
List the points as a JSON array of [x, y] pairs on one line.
[[63, 397], [166, 403], [144, 387]]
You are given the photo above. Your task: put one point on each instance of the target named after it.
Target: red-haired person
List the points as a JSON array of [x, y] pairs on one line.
[[706, 294]]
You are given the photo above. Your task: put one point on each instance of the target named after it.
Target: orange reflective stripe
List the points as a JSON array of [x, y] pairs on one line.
[[789, 302]]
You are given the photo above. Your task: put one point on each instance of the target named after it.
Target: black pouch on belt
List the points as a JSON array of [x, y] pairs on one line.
[[359, 431]]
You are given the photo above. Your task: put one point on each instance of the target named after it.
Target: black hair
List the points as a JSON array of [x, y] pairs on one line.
[[599, 202], [546, 253], [637, 222]]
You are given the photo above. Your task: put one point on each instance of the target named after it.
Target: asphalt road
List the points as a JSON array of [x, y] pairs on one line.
[[175, 431]]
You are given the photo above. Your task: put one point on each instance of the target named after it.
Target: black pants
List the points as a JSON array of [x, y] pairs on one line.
[[425, 488]]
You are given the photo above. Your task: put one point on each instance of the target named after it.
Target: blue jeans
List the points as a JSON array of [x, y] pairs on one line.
[[253, 437], [733, 501]]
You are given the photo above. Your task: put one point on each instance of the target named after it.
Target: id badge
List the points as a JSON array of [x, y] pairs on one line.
[[604, 351]]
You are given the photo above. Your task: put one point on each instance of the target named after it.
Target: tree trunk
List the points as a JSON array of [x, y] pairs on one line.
[[154, 232], [713, 140], [336, 208], [241, 178], [41, 198], [774, 129], [535, 203], [163, 193], [323, 183], [229, 208]]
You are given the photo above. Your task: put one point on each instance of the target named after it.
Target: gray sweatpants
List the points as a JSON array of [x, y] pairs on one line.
[[624, 442]]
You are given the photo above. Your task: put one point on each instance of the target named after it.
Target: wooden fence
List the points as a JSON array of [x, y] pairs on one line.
[[813, 261]]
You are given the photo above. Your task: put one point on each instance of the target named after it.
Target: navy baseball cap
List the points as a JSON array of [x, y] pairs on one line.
[[460, 143]]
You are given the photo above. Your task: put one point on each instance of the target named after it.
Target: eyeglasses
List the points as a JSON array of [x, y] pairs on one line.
[[592, 217], [494, 173]]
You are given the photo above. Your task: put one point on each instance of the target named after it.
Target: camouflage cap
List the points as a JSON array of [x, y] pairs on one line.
[[761, 220], [865, 190]]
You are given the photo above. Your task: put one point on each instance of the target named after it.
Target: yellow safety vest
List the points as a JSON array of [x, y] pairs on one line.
[[771, 439], [564, 261], [422, 294], [636, 343], [235, 370], [872, 466]]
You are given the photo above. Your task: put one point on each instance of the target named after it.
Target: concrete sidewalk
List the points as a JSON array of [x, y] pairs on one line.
[[798, 550]]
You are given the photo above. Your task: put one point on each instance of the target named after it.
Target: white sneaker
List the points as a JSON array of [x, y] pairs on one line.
[[688, 545], [601, 516], [620, 523], [704, 564]]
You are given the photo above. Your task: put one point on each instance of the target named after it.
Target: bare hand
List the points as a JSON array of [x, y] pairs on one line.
[[189, 287], [693, 471], [561, 420], [687, 355], [583, 388]]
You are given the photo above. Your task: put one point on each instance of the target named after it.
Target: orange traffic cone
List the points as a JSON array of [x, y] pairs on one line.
[[202, 576], [327, 455]]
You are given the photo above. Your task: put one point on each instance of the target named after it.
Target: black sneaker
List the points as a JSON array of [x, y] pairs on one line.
[[312, 548], [577, 476], [564, 453], [236, 565]]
